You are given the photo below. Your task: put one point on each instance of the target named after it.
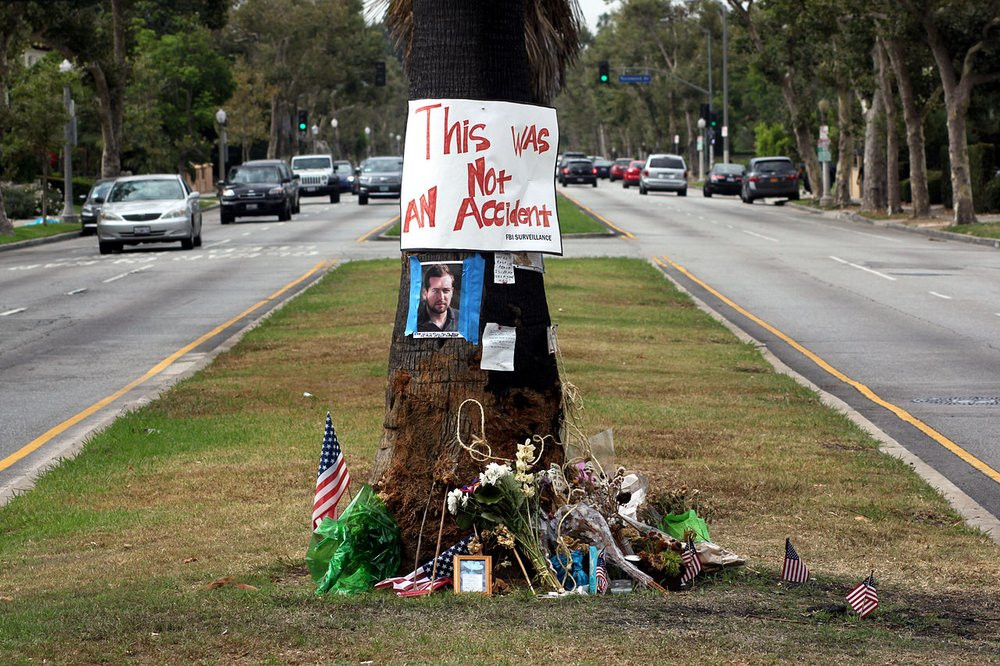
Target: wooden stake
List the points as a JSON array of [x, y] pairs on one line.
[[523, 570], [437, 549]]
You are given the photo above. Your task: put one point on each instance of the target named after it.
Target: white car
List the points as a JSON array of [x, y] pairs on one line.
[[317, 176], [664, 172], [158, 208]]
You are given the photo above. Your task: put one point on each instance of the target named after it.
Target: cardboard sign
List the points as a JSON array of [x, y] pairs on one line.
[[478, 175]]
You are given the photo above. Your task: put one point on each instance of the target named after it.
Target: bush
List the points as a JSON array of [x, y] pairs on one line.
[[981, 159], [991, 196], [25, 201]]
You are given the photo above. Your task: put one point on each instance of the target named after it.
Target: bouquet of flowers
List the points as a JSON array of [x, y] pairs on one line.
[[504, 497]]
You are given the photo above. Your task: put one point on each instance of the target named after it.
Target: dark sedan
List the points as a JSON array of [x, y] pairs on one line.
[[260, 187], [603, 167], [92, 206], [724, 179], [578, 171], [379, 177]]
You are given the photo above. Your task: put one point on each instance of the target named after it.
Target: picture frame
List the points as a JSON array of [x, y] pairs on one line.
[[473, 574]]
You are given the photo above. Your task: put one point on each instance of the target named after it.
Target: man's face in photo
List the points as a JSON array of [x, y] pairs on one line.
[[438, 293]]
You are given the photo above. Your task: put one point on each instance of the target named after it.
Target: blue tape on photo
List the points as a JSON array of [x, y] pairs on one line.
[[470, 299], [416, 275]]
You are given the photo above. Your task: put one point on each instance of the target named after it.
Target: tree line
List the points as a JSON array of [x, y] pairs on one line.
[[891, 78], [149, 75]]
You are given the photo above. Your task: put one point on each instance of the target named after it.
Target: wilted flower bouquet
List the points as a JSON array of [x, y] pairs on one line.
[[504, 497]]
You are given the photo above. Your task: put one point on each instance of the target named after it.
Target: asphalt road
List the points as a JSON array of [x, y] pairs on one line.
[[85, 336], [902, 328]]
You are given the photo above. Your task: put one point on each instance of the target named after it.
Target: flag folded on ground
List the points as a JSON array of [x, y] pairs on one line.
[[332, 479], [793, 570], [864, 598], [692, 565], [420, 578]]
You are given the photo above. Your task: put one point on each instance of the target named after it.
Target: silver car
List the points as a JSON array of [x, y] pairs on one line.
[[664, 172], [158, 208]]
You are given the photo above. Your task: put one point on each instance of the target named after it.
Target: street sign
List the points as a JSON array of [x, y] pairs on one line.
[[725, 130], [823, 154], [635, 78], [824, 132], [701, 146]]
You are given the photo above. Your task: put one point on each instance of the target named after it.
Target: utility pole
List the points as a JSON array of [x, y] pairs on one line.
[[725, 85], [711, 132], [68, 215]]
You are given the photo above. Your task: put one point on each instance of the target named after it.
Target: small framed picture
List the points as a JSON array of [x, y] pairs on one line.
[[473, 573]]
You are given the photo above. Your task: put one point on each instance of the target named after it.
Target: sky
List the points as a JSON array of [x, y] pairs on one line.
[[592, 10]]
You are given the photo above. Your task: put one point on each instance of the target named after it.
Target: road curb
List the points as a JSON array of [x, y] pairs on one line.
[[923, 231], [974, 514], [39, 241]]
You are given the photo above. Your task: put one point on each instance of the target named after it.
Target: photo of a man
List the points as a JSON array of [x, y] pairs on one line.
[[439, 290]]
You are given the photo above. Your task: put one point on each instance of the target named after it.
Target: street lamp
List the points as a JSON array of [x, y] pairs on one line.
[[315, 133], [701, 149], [68, 214], [220, 118], [368, 134], [336, 134], [399, 143], [824, 149]]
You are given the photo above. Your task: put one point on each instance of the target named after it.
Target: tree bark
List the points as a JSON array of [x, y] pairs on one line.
[[475, 51], [914, 131], [872, 173], [845, 149], [893, 204]]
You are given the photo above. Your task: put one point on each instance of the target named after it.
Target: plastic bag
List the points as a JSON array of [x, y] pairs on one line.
[[675, 524], [357, 550]]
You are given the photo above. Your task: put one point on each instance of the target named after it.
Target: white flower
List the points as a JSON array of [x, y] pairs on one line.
[[494, 473], [453, 498]]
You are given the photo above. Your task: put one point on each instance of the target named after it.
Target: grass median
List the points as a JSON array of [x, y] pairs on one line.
[[113, 555], [32, 231], [572, 220]]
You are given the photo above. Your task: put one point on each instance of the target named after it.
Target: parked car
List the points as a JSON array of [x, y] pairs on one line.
[[632, 173], [618, 169], [724, 178], [92, 206], [345, 173], [317, 176], [379, 177], [664, 172], [259, 187], [603, 167], [578, 171], [770, 177], [158, 208]]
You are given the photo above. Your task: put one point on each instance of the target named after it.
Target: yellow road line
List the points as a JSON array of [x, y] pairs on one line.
[[377, 230], [627, 234], [152, 372], [861, 388]]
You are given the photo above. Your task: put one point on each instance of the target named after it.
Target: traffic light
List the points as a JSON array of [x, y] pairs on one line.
[[380, 72], [303, 120], [714, 120], [603, 72]]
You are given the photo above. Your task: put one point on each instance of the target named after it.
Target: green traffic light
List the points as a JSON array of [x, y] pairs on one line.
[[604, 78]]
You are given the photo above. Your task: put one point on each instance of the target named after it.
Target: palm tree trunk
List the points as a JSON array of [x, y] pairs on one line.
[[476, 51]]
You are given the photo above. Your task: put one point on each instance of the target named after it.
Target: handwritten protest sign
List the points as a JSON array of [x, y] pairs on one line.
[[478, 175]]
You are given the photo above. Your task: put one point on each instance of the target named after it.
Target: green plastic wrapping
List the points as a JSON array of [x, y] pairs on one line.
[[361, 547], [675, 524]]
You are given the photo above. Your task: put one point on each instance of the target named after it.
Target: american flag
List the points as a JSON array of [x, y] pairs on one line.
[[420, 578], [864, 598], [601, 575], [793, 570], [692, 565], [332, 479]]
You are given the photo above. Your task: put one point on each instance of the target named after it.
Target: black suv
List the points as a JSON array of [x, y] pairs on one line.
[[260, 187], [770, 177]]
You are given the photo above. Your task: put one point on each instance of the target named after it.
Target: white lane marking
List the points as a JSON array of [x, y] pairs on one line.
[[934, 293], [14, 311], [221, 242], [863, 268], [76, 291], [126, 274], [751, 233]]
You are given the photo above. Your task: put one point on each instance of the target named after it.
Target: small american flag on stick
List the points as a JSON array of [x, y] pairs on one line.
[[864, 598], [692, 565], [793, 570], [332, 479]]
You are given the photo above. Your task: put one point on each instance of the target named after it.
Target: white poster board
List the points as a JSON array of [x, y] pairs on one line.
[[479, 175]]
